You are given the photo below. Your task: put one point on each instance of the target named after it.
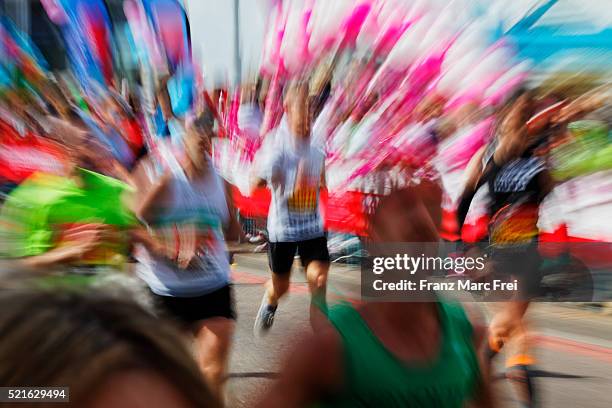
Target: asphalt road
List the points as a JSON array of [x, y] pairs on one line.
[[574, 349], [574, 345]]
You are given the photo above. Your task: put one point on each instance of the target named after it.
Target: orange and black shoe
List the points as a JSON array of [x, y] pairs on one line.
[[522, 378]]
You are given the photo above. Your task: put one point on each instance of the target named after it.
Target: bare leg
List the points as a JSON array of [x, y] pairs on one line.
[[506, 322], [519, 365], [277, 287], [213, 339], [508, 328], [316, 275]]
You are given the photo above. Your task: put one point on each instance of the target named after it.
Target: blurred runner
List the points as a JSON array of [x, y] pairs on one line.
[[183, 258], [514, 169], [517, 182], [294, 171], [384, 354], [77, 219]]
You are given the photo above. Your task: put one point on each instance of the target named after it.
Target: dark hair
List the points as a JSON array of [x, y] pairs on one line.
[[516, 95], [205, 122], [80, 338], [320, 100], [258, 87], [528, 111], [134, 103]]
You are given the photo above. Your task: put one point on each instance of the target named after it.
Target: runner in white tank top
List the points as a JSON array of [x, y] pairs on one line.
[[183, 257]]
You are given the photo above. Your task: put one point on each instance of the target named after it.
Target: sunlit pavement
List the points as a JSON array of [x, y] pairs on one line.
[[574, 345]]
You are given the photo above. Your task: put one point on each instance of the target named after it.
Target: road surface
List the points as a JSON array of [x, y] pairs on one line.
[[574, 345]]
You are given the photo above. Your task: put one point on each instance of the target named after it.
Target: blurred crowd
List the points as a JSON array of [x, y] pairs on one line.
[[105, 171]]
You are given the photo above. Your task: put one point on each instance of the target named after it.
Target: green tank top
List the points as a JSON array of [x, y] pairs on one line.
[[376, 378]]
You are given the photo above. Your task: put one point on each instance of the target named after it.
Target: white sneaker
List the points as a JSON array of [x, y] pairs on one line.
[[265, 317]]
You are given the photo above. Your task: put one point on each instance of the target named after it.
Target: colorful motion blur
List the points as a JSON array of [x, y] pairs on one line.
[[400, 90]]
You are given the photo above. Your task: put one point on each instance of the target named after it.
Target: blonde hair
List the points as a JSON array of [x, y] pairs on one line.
[[76, 338]]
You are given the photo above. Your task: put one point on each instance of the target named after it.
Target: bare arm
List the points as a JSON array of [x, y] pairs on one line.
[[150, 240], [483, 397], [508, 148], [80, 240], [265, 169], [473, 178], [149, 193], [233, 232], [52, 257], [581, 106], [163, 98], [473, 169], [323, 184], [122, 174], [146, 194]]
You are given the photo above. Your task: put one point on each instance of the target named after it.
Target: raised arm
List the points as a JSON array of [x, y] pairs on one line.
[[581, 106]]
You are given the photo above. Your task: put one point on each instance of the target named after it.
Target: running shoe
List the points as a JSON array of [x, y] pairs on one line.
[[258, 239], [522, 376], [261, 248], [265, 316]]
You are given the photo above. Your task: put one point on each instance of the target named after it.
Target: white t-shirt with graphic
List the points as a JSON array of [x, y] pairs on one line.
[[293, 170]]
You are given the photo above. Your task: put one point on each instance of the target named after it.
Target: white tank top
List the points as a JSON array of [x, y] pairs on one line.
[[189, 207]]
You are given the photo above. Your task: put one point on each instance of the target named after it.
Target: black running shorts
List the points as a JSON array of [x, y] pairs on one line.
[[188, 310], [521, 262], [281, 254]]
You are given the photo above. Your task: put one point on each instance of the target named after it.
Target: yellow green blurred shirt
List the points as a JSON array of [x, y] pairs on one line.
[[39, 210]]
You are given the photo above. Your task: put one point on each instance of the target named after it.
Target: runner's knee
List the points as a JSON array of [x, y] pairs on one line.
[[321, 280], [317, 279]]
